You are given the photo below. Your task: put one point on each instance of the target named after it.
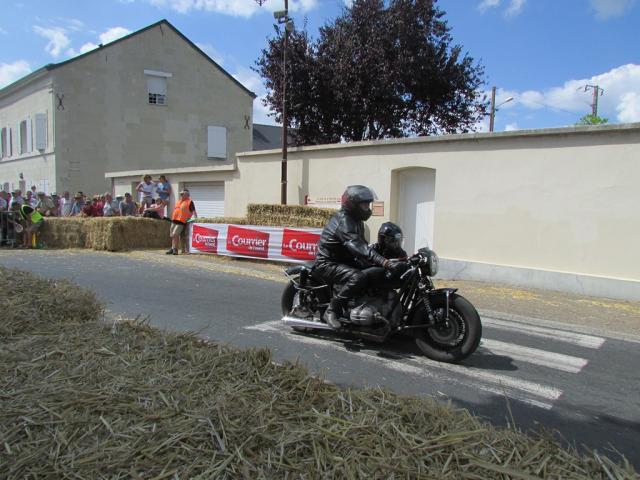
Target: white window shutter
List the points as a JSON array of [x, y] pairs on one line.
[[41, 131], [29, 137], [157, 85], [18, 140], [216, 142]]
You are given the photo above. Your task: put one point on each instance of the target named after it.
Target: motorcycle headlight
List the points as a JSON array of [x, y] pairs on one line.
[[433, 263]]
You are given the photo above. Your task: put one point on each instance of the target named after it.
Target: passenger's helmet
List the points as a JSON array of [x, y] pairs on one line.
[[390, 236], [352, 197]]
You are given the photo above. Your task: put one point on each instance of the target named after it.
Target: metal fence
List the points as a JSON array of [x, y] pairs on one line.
[[8, 221]]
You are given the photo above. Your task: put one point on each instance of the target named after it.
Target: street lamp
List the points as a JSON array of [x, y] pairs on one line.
[[282, 16], [494, 107]]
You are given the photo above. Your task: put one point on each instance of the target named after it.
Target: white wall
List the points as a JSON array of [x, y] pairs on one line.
[[563, 200]]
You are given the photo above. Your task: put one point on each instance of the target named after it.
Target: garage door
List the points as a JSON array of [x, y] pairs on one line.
[[208, 197]]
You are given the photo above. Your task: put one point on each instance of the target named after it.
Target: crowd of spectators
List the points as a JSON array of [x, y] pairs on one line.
[[153, 199]]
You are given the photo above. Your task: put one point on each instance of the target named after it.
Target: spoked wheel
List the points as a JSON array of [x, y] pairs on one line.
[[454, 338]]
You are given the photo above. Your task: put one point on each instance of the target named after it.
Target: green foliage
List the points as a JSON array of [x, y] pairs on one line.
[[592, 119], [382, 69]]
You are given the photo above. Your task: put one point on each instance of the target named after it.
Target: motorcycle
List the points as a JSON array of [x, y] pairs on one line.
[[446, 326]]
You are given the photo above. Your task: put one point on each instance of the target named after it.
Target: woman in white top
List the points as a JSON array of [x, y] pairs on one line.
[[146, 188]]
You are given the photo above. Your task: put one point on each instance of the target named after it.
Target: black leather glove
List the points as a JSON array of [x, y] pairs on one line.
[[393, 264]]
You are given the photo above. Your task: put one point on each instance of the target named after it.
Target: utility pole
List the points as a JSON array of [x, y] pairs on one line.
[[494, 108], [282, 16], [492, 113], [283, 174], [597, 91]]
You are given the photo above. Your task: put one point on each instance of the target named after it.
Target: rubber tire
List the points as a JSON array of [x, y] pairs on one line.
[[472, 337], [286, 302]]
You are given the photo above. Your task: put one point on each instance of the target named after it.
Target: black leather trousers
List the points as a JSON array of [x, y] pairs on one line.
[[354, 281]]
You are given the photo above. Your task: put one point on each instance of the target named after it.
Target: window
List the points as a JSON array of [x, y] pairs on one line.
[[157, 86]]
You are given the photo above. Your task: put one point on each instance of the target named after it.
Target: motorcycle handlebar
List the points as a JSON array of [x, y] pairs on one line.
[[406, 274]]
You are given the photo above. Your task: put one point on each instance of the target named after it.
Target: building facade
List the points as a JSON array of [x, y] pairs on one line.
[[149, 102]]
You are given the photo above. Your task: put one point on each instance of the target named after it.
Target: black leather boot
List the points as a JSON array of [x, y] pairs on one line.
[[334, 313]]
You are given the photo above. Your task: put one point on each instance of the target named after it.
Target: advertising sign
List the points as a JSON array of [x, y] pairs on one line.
[[204, 239], [293, 245], [247, 242]]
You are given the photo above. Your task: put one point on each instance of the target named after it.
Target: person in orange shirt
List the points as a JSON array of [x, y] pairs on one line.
[[184, 210]]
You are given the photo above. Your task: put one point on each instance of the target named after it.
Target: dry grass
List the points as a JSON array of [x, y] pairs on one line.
[[83, 399]]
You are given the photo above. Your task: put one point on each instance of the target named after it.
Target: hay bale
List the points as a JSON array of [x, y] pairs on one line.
[[105, 233], [82, 399], [127, 233], [64, 232], [288, 215]]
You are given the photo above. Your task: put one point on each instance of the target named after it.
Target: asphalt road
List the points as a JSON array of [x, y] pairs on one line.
[[587, 387]]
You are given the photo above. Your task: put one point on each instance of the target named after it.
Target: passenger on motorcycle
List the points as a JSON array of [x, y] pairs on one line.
[[342, 246], [390, 242], [389, 245]]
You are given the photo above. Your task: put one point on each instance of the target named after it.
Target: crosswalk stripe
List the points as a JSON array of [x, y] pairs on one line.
[[588, 341], [544, 358], [531, 393]]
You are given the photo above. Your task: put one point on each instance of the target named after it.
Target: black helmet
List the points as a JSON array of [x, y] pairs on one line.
[[390, 236], [352, 197]]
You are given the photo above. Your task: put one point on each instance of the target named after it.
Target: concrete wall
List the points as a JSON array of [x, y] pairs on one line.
[[36, 166], [108, 124], [547, 208]]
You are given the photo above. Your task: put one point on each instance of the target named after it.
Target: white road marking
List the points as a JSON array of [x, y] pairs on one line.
[[588, 341], [544, 358], [501, 385]]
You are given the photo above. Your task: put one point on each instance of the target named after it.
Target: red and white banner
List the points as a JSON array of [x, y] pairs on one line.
[[294, 245]]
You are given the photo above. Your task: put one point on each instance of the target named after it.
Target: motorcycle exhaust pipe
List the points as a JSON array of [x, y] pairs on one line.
[[301, 323]]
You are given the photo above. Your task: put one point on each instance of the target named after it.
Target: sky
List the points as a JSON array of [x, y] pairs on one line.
[[541, 53]]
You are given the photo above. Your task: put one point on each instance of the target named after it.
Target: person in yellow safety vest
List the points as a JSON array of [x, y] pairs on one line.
[[33, 220], [184, 210]]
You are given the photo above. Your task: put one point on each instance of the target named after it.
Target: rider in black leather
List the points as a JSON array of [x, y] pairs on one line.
[[342, 245]]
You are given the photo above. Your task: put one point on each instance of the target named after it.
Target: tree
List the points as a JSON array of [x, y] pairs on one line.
[[591, 119], [377, 71]]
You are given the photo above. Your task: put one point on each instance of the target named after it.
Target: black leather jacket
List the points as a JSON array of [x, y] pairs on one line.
[[342, 241]]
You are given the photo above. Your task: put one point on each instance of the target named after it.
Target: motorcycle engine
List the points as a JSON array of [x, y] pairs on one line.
[[370, 310]]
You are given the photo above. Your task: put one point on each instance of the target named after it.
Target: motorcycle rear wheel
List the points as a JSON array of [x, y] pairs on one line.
[[454, 340], [287, 302]]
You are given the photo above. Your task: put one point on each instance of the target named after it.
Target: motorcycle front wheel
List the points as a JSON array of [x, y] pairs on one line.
[[455, 336]]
